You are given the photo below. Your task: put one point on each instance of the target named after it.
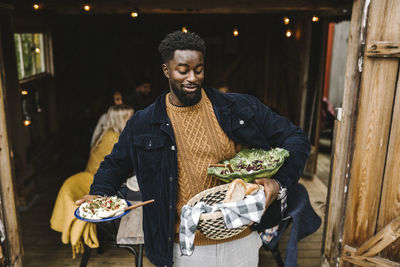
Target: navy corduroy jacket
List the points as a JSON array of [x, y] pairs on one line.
[[147, 147]]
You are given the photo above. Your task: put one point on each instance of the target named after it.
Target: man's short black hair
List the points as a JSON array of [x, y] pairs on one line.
[[179, 40]]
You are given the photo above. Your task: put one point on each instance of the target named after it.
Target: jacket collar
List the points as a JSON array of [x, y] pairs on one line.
[[219, 100], [159, 115]]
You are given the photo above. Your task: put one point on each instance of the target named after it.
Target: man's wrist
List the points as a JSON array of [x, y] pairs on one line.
[[282, 190]]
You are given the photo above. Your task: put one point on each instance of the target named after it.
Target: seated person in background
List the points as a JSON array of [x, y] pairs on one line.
[[142, 96], [63, 219], [117, 98]]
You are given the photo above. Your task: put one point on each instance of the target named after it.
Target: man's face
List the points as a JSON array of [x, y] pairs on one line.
[[185, 73], [144, 89]]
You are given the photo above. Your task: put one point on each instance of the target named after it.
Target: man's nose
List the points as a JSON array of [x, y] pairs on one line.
[[191, 77]]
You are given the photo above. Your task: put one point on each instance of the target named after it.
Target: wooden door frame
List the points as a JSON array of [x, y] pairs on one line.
[[344, 137], [7, 196]]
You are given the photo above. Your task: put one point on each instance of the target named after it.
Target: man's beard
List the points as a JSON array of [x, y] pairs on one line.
[[187, 99]]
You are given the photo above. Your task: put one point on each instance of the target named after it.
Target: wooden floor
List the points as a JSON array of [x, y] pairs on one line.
[[323, 167], [43, 247]]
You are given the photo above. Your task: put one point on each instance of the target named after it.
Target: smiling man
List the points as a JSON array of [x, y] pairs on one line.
[[170, 144]]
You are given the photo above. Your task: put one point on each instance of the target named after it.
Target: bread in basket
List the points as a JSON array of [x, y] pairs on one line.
[[212, 225]]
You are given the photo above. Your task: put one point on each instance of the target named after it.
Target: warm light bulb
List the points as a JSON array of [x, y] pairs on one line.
[[286, 20], [36, 6], [24, 92], [235, 32], [288, 33], [27, 122], [315, 19], [37, 50], [134, 14], [184, 29], [86, 7]]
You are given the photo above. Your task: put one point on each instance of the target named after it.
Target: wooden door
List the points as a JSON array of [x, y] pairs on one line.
[[363, 218]]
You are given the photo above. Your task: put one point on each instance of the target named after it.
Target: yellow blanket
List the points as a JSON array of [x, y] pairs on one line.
[[63, 219], [75, 187]]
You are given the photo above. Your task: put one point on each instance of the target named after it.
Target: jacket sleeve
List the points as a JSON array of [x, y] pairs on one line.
[[280, 132], [116, 167]]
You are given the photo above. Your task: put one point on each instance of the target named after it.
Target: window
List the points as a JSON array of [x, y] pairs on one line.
[[30, 54]]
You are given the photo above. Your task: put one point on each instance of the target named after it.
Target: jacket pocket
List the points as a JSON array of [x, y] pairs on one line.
[[149, 143], [149, 152]]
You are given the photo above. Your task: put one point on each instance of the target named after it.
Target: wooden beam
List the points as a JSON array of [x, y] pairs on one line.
[[377, 91], [319, 87], [381, 240], [328, 7], [350, 255], [383, 49], [343, 140], [304, 71]]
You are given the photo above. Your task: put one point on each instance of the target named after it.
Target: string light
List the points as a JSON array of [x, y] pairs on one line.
[[36, 6], [288, 33], [315, 19], [24, 92], [235, 32], [86, 7], [286, 20], [184, 29], [27, 122], [37, 50]]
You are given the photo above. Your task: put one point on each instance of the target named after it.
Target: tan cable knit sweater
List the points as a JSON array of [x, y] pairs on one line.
[[200, 141]]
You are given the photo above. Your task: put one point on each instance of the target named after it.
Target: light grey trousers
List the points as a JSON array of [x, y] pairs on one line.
[[238, 253]]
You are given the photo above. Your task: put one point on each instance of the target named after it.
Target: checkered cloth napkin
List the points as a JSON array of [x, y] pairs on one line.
[[235, 214]]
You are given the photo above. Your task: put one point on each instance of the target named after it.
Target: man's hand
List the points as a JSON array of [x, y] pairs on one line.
[[271, 189], [85, 198]]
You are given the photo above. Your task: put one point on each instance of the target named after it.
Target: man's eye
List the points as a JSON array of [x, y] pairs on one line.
[[198, 72], [182, 72]]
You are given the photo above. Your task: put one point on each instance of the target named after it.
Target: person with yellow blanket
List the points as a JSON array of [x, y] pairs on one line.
[[63, 220]]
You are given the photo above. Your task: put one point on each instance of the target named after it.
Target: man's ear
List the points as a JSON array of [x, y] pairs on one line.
[[165, 70]]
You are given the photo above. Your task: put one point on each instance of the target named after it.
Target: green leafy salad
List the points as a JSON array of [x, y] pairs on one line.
[[250, 164]]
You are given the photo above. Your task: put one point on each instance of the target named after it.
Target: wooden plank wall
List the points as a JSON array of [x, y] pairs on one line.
[[374, 145], [389, 207]]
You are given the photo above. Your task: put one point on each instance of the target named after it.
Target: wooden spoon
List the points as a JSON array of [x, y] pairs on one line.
[[113, 213], [139, 204]]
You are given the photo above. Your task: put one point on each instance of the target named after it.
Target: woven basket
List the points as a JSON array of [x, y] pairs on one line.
[[212, 225]]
